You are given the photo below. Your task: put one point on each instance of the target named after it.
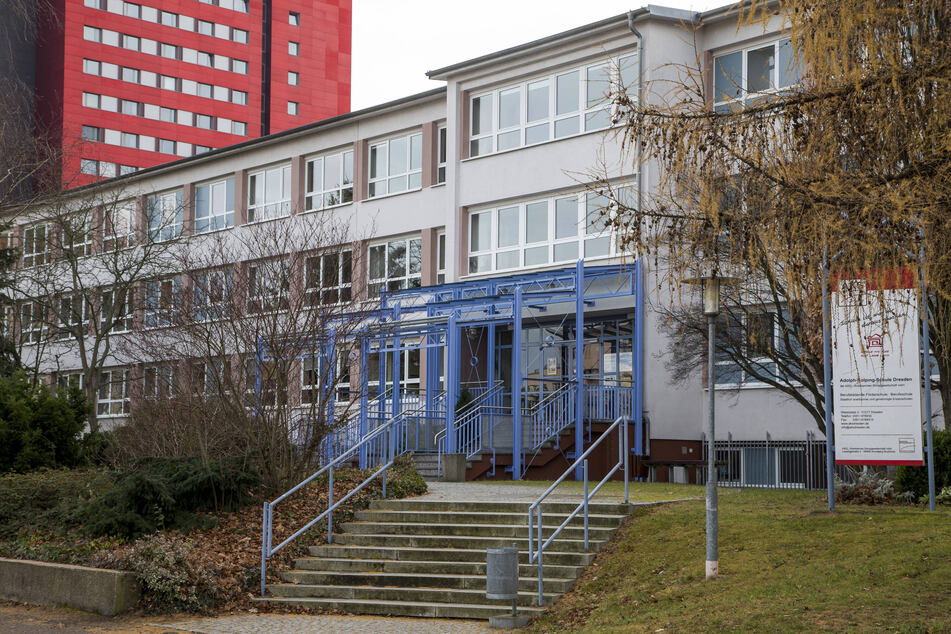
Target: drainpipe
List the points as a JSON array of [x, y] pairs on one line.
[[639, 269]]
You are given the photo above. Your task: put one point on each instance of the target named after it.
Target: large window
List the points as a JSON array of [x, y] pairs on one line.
[[396, 165], [116, 306], [118, 226], [76, 235], [395, 265], [268, 286], [441, 258], [36, 245], [329, 181], [113, 393], [311, 371], [755, 336], [212, 294], [552, 107], [214, 206], [269, 193], [31, 322], [165, 214], [162, 299], [541, 232], [745, 76], [328, 278], [73, 316], [158, 381]]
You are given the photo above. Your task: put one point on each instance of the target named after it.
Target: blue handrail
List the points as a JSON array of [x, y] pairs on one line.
[[621, 424]]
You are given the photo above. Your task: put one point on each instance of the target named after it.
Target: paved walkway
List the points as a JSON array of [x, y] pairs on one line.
[[492, 492], [300, 624]]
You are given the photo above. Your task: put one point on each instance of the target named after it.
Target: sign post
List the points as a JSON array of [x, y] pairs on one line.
[[877, 376]]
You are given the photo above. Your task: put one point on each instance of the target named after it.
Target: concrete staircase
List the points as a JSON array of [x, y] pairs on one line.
[[427, 464], [427, 558]]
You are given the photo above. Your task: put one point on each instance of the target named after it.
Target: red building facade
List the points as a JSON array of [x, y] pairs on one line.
[[127, 85]]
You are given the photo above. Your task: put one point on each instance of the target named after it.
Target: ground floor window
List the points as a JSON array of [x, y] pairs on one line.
[[113, 398]]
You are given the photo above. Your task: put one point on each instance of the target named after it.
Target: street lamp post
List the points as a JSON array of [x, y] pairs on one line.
[[711, 282]]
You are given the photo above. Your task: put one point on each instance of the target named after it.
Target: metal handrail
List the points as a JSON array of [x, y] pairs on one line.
[[268, 551], [622, 424], [539, 437], [440, 437]]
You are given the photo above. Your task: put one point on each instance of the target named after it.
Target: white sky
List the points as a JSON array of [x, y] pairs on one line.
[[396, 41]]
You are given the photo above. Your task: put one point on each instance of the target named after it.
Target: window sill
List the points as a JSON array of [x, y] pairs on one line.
[[213, 231], [331, 207], [408, 191], [541, 144]]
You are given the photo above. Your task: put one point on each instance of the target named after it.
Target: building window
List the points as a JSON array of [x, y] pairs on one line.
[[162, 301], [395, 265], [36, 245], [239, 97], [239, 35], [118, 226], [756, 336], [293, 48], [268, 286], [113, 393], [107, 170], [31, 322], [73, 317], [205, 27], [89, 167], [116, 306], [165, 214], [396, 165], [268, 381], [90, 133], [748, 75], [71, 381], [293, 78], [212, 295], [312, 369], [292, 108], [441, 258], [328, 278], [441, 155], [553, 107], [76, 235], [214, 206], [239, 66], [293, 18], [269, 194], [158, 381], [329, 181], [541, 232]]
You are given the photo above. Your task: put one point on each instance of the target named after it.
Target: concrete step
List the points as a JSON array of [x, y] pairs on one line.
[[442, 554], [402, 608], [435, 567], [458, 541], [482, 518], [414, 580], [416, 595], [562, 508], [473, 530]]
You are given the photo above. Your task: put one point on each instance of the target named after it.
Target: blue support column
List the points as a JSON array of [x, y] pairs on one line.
[[579, 365], [490, 377], [431, 366], [639, 357], [364, 396], [452, 382], [517, 385]]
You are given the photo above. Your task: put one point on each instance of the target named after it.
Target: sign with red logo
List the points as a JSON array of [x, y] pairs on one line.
[[876, 371]]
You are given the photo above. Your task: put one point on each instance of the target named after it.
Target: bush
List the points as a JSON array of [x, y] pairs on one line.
[[47, 499], [38, 428], [403, 479], [869, 488], [173, 576], [159, 493], [914, 480]]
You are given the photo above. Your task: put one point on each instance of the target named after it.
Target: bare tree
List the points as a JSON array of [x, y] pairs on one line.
[[85, 258], [258, 329]]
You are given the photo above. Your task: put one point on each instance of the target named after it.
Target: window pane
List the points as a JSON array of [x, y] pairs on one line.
[[510, 107], [398, 156], [508, 227], [596, 206], [599, 85], [480, 238], [506, 260], [510, 140], [538, 101], [596, 247], [789, 69], [567, 97], [728, 76], [415, 256], [567, 251], [566, 217], [396, 259], [481, 115], [536, 255], [332, 172], [416, 152], [536, 133], [536, 222], [377, 161], [378, 262], [760, 65], [597, 120], [566, 127]]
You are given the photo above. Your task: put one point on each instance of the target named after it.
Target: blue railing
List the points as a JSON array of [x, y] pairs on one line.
[[535, 510], [469, 427], [604, 401], [552, 414]]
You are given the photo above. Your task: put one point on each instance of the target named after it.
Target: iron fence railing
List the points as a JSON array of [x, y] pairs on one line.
[[772, 464]]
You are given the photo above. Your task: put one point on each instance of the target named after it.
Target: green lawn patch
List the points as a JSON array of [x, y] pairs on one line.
[[638, 491], [786, 564]]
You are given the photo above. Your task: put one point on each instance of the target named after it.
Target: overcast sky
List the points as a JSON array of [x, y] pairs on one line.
[[396, 41]]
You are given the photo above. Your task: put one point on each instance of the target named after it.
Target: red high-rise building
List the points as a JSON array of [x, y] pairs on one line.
[[126, 85]]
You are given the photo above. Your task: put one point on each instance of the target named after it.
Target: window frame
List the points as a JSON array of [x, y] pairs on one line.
[[344, 192], [31, 255], [413, 176], [162, 301], [747, 97], [329, 292], [278, 208], [264, 298], [390, 281], [213, 220], [123, 322], [117, 405], [165, 223]]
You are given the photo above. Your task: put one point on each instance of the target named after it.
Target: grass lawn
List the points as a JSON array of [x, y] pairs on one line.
[[639, 491], [786, 564]]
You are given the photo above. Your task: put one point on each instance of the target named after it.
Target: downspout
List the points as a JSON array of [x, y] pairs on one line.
[[639, 268]]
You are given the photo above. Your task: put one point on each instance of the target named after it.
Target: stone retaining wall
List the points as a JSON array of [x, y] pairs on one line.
[[107, 592]]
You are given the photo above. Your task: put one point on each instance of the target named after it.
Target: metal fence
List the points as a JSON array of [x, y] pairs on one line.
[[772, 464]]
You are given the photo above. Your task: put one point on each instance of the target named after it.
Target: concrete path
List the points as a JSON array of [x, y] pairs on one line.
[[301, 624]]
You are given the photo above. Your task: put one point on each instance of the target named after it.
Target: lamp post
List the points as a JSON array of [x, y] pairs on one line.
[[710, 282]]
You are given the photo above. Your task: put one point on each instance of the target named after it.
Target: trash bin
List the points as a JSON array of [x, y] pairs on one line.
[[501, 582]]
